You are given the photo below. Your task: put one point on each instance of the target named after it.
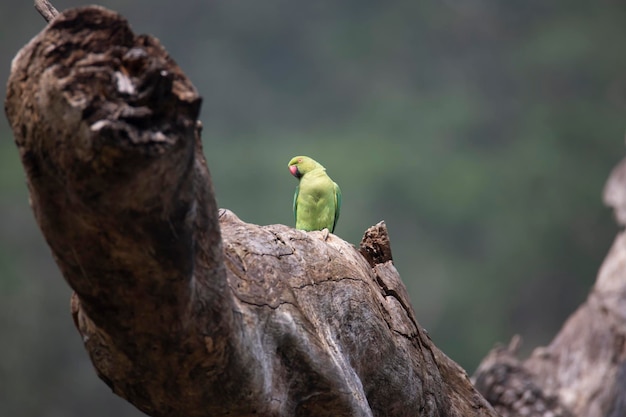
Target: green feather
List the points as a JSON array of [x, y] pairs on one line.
[[337, 205], [295, 203], [317, 200]]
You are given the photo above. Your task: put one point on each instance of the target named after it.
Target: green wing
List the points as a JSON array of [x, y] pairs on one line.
[[295, 203], [337, 205]]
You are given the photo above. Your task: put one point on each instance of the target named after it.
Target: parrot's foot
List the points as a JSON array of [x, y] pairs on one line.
[[325, 234]]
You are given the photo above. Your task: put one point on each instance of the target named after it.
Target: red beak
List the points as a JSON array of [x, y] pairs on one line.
[[294, 171]]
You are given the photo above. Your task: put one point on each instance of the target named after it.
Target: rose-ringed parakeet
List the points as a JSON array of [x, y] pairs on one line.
[[317, 201]]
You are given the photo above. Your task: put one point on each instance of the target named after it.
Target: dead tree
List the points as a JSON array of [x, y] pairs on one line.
[[583, 371], [186, 310]]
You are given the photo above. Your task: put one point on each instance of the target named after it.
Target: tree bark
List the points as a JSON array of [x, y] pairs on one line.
[[583, 371], [184, 309]]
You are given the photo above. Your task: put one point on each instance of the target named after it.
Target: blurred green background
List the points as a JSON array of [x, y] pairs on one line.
[[481, 131]]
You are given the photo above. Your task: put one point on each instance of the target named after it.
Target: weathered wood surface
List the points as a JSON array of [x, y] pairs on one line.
[[583, 371], [184, 309]]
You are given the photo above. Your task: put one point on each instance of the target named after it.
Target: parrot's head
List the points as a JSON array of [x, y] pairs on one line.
[[300, 165]]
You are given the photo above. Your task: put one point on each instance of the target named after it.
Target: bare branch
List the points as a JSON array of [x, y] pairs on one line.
[[46, 9]]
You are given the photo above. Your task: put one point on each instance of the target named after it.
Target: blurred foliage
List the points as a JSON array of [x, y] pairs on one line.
[[482, 132]]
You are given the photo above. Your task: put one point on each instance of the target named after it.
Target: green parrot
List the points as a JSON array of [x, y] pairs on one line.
[[317, 201]]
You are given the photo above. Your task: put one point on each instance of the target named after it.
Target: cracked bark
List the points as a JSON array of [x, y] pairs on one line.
[[184, 309]]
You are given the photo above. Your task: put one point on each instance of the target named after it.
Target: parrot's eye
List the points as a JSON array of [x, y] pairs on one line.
[[299, 160]]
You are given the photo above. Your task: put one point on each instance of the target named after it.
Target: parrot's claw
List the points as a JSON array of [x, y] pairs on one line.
[[325, 234]]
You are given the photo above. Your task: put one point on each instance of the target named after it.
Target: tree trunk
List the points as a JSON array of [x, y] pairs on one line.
[[184, 309], [583, 371]]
